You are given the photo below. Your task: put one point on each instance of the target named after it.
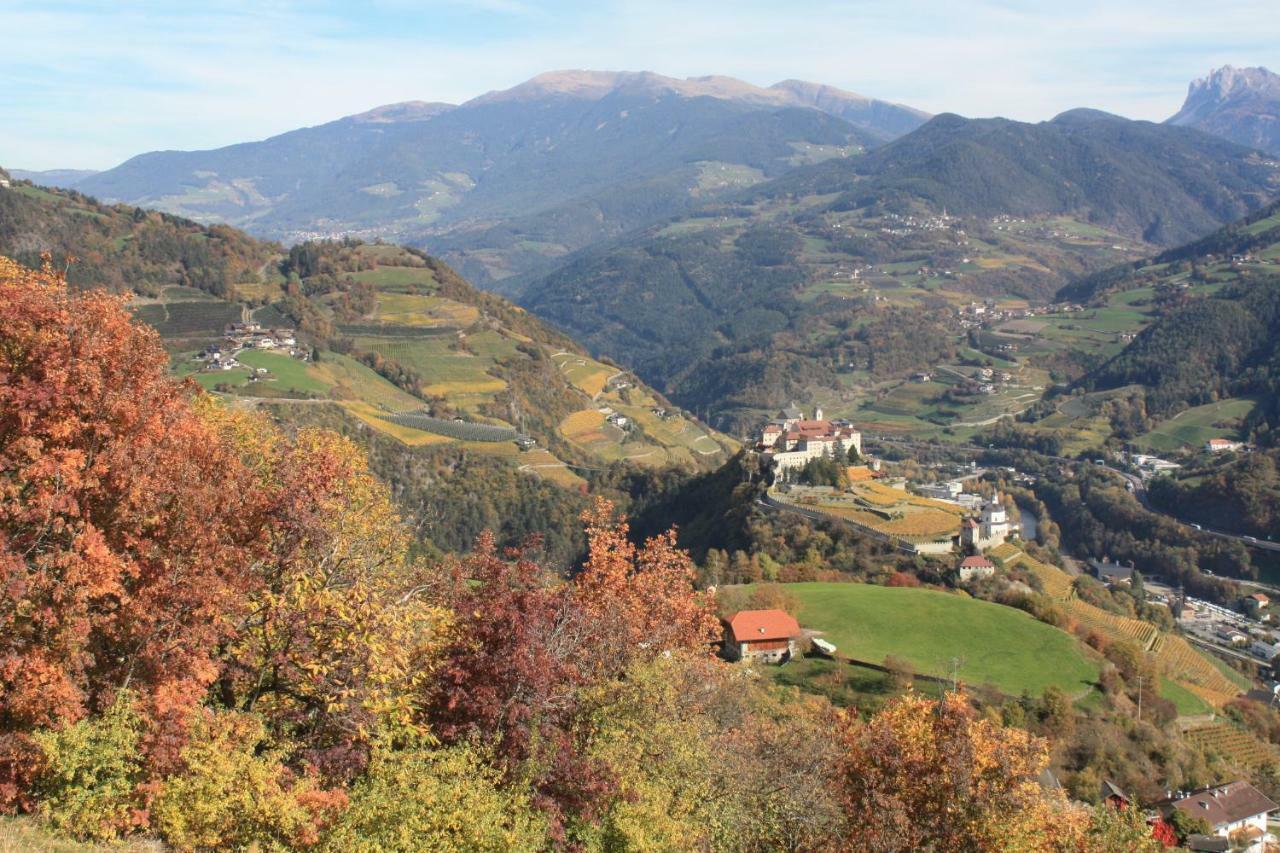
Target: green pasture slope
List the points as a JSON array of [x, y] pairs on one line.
[[1190, 429], [995, 644]]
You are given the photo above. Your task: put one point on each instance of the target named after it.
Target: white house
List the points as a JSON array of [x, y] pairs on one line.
[[1236, 811], [972, 568], [1222, 445], [948, 491]]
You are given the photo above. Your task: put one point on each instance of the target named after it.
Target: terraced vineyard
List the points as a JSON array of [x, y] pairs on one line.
[[1112, 625], [1194, 671], [1178, 659], [895, 513], [186, 319], [1232, 743], [461, 430]]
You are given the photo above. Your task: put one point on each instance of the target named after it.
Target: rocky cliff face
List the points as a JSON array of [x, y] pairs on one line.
[[1239, 104]]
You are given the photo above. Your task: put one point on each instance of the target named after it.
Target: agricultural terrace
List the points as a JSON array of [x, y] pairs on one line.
[[1188, 670], [1232, 743], [894, 512], [991, 643]]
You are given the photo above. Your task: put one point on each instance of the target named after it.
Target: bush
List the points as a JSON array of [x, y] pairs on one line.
[[229, 796], [89, 787], [422, 798]]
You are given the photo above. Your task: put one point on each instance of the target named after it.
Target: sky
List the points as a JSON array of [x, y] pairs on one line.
[[90, 84]]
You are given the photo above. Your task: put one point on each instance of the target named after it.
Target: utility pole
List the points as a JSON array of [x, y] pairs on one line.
[[956, 662]]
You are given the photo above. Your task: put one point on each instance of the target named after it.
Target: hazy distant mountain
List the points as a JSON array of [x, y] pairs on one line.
[[65, 178], [512, 180], [1240, 104], [1162, 184]]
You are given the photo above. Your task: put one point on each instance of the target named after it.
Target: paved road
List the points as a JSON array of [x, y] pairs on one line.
[[1139, 490]]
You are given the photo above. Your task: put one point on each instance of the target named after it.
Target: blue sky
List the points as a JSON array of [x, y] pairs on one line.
[[89, 84]]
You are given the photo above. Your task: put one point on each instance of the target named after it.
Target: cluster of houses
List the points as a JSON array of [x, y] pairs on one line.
[[790, 441], [976, 315], [239, 337]]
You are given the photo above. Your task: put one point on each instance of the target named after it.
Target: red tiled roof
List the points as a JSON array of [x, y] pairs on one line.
[[976, 562], [756, 625]]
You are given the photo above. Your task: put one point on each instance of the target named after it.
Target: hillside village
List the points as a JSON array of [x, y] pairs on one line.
[[240, 337]]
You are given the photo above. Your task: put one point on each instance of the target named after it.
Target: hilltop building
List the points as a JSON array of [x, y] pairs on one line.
[[790, 441], [768, 636], [989, 529]]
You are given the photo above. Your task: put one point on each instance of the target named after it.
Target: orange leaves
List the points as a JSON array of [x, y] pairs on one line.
[[925, 774], [641, 600], [118, 536]]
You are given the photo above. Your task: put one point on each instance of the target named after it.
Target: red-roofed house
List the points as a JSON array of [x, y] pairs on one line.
[[975, 567], [763, 635], [1236, 812]]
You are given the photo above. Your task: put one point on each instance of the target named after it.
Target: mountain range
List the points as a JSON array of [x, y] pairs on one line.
[[1240, 104], [732, 242], [771, 293], [510, 180]]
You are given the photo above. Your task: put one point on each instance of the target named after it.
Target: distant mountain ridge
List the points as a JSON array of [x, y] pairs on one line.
[[883, 119], [509, 181], [1240, 104], [1164, 184], [764, 295], [64, 178]]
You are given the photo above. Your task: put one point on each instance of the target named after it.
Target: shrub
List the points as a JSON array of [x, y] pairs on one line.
[[89, 787], [230, 796], [423, 798]]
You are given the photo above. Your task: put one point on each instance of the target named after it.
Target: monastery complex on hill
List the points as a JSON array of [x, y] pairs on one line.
[[789, 441]]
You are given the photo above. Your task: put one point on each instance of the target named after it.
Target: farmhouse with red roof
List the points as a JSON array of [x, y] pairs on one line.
[[768, 636]]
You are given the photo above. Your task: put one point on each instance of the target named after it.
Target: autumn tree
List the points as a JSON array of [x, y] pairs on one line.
[[925, 774], [337, 635], [121, 551], [639, 601], [526, 647]]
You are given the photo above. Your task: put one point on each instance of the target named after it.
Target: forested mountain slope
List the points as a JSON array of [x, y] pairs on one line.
[[461, 392], [854, 265]]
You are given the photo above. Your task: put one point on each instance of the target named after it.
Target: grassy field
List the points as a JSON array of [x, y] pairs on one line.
[[285, 372], [1190, 429], [1187, 703], [994, 644]]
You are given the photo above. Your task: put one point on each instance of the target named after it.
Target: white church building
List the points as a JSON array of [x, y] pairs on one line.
[[989, 529]]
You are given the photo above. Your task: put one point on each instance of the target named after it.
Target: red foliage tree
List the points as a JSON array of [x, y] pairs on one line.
[[121, 550]]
